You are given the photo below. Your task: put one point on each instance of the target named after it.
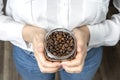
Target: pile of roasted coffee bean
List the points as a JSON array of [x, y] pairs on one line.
[[60, 43]]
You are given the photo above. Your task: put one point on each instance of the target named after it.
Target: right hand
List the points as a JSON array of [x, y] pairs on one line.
[[76, 65], [36, 36]]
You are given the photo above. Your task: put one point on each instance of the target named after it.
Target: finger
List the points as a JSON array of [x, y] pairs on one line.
[[47, 63], [74, 62], [38, 47], [47, 70], [39, 43], [41, 56], [80, 57], [78, 35], [82, 51], [76, 69], [80, 46]]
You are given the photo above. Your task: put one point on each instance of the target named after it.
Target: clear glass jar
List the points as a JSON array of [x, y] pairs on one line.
[[60, 44]]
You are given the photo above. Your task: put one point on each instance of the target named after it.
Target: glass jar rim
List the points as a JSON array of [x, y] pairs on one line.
[[48, 53]]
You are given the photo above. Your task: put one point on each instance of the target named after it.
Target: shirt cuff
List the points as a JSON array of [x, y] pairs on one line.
[[96, 38], [16, 37]]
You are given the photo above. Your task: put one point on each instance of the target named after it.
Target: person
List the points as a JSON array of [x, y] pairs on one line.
[[26, 23]]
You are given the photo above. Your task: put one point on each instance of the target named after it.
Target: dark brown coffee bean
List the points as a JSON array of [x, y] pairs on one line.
[[60, 43], [54, 53], [66, 45]]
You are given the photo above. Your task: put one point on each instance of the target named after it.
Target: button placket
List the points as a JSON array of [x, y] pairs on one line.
[[63, 13]]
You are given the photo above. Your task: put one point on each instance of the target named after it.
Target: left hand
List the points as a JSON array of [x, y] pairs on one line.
[[82, 38], [36, 36]]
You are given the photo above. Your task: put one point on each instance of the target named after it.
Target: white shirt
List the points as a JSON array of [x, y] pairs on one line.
[[50, 14]]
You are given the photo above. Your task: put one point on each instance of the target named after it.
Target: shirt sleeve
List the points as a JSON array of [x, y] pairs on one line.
[[106, 33], [9, 29]]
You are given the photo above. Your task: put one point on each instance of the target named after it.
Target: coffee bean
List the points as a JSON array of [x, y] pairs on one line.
[[66, 45], [60, 43]]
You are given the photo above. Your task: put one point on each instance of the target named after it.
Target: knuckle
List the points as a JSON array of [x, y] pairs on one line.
[[66, 69], [77, 63], [80, 69], [80, 63], [43, 71], [69, 71], [45, 63]]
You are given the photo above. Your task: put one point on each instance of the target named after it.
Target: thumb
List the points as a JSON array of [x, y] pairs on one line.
[[40, 47], [38, 44]]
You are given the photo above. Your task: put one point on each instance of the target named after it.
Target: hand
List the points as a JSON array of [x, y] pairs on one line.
[[82, 38], [36, 36]]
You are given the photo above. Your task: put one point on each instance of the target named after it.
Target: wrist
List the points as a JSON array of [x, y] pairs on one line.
[[27, 29], [85, 31], [30, 31]]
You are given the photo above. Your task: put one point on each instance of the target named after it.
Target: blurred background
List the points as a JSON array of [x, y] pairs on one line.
[[109, 69]]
